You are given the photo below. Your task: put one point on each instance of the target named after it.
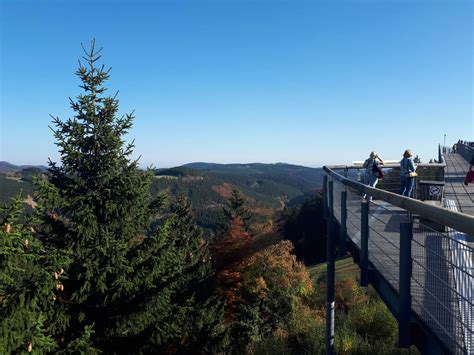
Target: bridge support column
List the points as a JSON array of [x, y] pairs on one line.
[[343, 236], [404, 304], [364, 244], [330, 254]]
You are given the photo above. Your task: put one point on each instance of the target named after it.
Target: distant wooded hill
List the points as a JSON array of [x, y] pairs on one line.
[[6, 167], [268, 187], [17, 180]]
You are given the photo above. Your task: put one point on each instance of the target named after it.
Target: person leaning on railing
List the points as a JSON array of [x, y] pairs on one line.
[[369, 177], [407, 173]]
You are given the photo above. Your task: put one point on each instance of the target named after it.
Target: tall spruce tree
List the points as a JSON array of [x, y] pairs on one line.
[[236, 208], [124, 276], [203, 330]]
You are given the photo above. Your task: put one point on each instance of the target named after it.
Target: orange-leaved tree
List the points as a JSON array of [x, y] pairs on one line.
[[234, 245], [272, 287], [228, 253]]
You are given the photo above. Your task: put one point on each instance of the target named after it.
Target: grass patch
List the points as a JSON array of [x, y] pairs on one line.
[[345, 269]]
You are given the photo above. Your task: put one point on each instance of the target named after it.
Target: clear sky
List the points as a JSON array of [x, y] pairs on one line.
[[304, 82]]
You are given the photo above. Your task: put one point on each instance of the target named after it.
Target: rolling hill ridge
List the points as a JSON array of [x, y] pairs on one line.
[[268, 187]]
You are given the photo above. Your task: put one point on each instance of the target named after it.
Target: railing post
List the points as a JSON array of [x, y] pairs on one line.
[[364, 244], [330, 251], [325, 197], [404, 306], [343, 236]]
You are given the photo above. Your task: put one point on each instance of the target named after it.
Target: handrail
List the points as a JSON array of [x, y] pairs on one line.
[[389, 166], [456, 220], [466, 151]]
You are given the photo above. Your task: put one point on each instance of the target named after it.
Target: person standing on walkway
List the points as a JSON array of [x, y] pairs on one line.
[[470, 173], [407, 173], [369, 177]]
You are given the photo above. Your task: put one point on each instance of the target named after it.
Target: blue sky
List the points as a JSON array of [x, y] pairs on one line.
[[305, 82]]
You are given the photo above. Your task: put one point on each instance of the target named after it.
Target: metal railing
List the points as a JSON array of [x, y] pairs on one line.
[[442, 286], [420, 251], [466, 150], [391, 180], [446, 150]]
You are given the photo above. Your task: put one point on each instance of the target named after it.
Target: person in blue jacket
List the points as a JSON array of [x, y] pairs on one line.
[[407, 174]]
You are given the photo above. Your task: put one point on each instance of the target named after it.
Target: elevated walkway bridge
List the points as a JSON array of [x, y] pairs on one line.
[[418, 255]]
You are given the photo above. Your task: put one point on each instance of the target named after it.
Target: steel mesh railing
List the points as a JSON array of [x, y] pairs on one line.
[[442, 283], [466, 150], [391, 180], [337, 189], [442, 286], [384, 239], [353, 215]]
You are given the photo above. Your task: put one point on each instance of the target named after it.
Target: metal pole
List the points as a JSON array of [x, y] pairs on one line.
[[343, 236], [444, 140], [325, 198], [364, 244], [330, 251], [404, 307]]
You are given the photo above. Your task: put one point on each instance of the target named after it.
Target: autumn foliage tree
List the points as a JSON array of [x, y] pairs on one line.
[[233, 246], [272, 287], [262, 289], [230, 250]]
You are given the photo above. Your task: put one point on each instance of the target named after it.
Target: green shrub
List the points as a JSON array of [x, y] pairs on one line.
[[373, 321], [273, 345], [306, 330]]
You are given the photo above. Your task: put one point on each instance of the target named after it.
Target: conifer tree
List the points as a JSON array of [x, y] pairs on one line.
[[30, 280], [124, 275], [203, 330], [305, 227], [236, 208]]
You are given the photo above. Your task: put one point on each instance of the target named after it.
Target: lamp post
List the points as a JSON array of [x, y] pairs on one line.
[[444, 140]]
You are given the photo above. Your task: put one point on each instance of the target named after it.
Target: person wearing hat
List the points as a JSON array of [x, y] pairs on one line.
[[369, 177], [407, 173]]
